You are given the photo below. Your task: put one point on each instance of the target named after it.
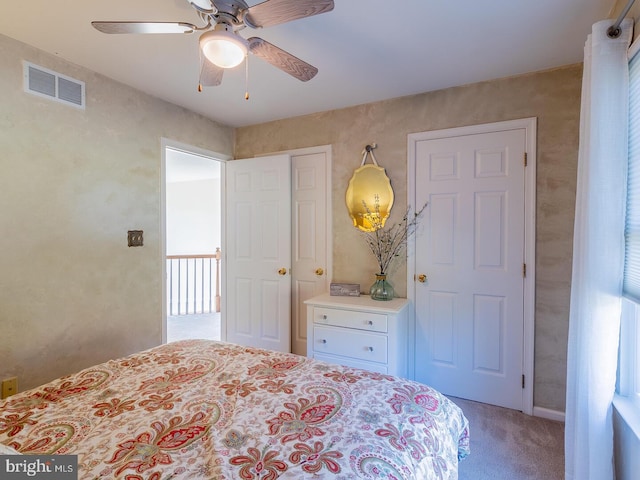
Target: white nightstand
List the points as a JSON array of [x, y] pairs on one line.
[[359, 332]]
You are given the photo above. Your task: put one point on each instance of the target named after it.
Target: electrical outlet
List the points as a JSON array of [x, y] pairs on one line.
[[9, 387]]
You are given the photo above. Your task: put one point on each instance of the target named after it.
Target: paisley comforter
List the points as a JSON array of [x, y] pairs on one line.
[[201, 409]]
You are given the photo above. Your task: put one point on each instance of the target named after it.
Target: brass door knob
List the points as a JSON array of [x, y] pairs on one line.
[[282, 271], [422, 278], [319, 271]]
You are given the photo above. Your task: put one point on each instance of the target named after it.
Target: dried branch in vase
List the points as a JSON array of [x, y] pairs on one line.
[[390, 241]]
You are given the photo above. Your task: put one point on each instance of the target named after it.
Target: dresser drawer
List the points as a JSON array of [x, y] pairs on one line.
[[350, 343], [351, 362], [374, 322], [359, 332]]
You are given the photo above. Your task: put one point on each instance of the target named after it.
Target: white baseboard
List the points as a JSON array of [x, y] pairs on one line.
[[549, 414]]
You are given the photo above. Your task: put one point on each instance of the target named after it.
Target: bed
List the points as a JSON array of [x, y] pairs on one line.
[[203, 409]]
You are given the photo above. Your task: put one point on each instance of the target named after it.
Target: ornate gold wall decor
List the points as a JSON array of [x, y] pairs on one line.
[[369, 194]]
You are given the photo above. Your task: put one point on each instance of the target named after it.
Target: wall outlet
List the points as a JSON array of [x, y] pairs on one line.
[[9, 387]]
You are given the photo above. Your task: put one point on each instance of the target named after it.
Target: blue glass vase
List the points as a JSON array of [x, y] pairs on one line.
[[381, 289]]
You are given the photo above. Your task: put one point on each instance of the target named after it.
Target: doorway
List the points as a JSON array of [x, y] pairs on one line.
[[193, 188]]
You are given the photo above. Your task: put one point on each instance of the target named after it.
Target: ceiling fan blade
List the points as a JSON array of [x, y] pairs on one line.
[[281, 59], [210, 74], [144, 27], [274, 12]]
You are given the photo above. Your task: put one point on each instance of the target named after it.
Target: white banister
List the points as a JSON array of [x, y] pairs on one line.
[[190, 285]]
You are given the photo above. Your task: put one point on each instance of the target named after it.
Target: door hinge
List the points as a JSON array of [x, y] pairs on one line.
[[524, 270], [522, 381], [525, 159]]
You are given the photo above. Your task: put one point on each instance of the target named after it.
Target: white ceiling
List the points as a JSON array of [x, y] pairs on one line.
[[365, 50]]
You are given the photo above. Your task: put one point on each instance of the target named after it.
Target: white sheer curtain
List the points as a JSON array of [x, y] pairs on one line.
[[598, 256]]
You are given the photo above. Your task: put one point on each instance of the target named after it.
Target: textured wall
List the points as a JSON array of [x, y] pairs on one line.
[[551, 96], [72, 183]]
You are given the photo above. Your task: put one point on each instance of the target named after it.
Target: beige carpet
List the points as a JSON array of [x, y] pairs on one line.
[[199, 325], [509, 445]]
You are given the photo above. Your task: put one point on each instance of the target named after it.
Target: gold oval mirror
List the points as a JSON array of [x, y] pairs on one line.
[[369, 197]]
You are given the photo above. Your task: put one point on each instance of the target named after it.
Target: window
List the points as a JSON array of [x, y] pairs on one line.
[[629, 364]]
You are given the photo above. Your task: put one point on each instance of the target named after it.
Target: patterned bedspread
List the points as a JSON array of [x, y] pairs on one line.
[[201, 409]]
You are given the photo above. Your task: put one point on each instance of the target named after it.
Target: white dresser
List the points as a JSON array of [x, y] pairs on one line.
[[359, 332]]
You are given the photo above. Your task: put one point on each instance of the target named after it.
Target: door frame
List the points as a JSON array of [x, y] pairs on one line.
[[530, 127], [222, 158]]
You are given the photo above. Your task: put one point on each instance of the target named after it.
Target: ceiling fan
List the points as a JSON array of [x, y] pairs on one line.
[[221, 45]]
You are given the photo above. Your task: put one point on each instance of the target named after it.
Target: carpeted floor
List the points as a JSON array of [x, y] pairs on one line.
[[509, 445], [202, 325]]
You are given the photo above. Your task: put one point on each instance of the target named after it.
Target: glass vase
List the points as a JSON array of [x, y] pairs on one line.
[[381, 289]]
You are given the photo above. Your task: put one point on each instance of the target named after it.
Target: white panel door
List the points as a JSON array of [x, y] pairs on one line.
[[258, 286], [310, 242], [469, 311]]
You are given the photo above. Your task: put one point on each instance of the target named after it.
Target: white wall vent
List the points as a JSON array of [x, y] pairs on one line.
[[53, 85]]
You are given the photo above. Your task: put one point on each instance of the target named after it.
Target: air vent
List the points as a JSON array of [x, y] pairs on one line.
[[55, 86]]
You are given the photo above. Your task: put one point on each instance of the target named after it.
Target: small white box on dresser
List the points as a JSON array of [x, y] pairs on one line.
[[359, 332]]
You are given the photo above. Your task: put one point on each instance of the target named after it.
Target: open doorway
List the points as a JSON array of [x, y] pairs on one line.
[[193, 243]]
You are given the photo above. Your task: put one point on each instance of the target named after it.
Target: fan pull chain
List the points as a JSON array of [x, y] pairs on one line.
[[246, 76], [201, 69]]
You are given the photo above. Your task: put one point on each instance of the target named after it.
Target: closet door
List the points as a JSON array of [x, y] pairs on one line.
[[469, 264], [258, 276], [311, 241]]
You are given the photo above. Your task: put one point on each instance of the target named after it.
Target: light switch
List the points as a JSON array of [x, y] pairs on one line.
[[134, 238]]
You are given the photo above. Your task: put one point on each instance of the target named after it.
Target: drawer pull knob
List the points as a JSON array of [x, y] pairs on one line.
[[324, 340], [370, 349], [324, 317], [370, 322]]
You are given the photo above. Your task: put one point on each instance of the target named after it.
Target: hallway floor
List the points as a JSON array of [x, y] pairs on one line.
[[182, 327]]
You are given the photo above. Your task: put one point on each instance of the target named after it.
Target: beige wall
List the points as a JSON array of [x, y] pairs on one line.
[[552, 96], [72, 183]]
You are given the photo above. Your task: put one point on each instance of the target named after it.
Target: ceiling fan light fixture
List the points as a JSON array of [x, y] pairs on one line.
[[223, 48]]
